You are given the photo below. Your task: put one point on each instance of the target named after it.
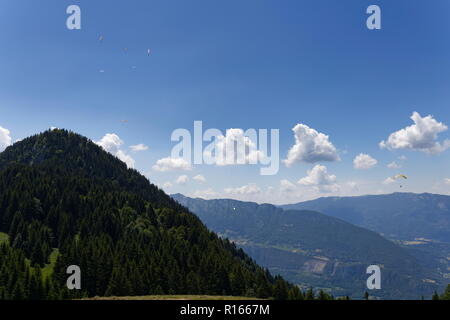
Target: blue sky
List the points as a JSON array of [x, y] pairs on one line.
[[236, 64]]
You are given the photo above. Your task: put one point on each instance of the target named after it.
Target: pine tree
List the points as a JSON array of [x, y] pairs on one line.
[[310, 294]]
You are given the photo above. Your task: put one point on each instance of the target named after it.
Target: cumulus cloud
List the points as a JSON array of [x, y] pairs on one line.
[[249, 189], [287, 186], [199, 178], [167, 185], [125, 158], [421, 136], [319, 178], [206, 194], [389, 180], [112, 143], [232, 149], [182, 179], [139, 147], [447, 181], [364, 161], [5, 138], [172, 164], [394, 165], [352, 185], [310, 146]]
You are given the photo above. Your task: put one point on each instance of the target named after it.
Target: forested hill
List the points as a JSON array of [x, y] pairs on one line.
[[65, 201]]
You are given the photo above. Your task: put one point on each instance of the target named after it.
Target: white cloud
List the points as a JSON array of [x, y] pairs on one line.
[[172, 164], [287, 186], [249, 189], [353, 186], [421, 136], [389, 180], [206, 194], [182, 179], [394, 165], [319, 178], [112, 143], [403, 158], [139, 147], [447, 181], [235, 146], [167, 185], [364, 161], [5, 138], [310, 146], [199, 178], [125, 158]]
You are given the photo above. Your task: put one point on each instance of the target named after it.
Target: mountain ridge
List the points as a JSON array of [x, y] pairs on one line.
[[310, 247], [403, 216]]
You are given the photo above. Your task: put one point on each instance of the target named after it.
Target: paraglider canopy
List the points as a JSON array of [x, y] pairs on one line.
[[400, 177]]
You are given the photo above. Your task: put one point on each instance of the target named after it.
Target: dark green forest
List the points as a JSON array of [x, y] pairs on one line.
[[443, 296], [65, 201]]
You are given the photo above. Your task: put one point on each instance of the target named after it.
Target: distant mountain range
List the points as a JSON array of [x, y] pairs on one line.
[[313, 249], [420, 223], [403, 216]]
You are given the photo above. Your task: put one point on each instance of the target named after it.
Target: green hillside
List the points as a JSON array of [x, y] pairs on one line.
[[65, 201]]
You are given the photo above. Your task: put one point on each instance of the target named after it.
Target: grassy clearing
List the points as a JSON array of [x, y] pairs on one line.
[[3, 237], [174, 297], [48, 268]]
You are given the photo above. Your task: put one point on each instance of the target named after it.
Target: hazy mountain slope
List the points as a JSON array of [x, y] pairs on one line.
[[60, 190], [404, 216], [310, 248], [420, 223]]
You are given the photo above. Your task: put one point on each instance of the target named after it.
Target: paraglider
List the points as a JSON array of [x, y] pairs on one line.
[[125, 50], [400, 177]]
